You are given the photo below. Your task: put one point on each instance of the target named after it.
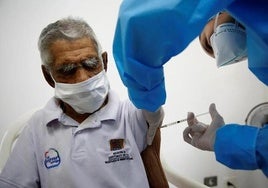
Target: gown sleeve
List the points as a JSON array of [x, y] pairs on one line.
[[150, 32], [242, 147]]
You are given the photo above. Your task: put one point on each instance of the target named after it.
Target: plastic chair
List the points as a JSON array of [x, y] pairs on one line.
[[10, 136]]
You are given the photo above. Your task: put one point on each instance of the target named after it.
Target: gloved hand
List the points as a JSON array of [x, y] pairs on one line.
[[154, 120], [200, 135]]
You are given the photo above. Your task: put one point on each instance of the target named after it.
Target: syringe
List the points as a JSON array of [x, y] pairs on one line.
[[182, 120]]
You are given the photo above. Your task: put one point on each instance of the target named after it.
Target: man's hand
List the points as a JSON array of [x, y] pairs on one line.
[[200, 135]]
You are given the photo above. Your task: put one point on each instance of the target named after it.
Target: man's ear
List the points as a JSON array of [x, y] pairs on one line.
[[47, 76], [206, 46], [204, 38], [105, 60]]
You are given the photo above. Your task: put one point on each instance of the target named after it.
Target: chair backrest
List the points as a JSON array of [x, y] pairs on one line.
[[10, 136]]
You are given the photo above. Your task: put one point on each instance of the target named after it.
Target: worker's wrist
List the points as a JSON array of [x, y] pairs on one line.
[[154, 118]]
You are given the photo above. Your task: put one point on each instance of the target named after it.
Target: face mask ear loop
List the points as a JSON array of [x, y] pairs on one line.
[[52, 77], [216, 21], [236, 24]]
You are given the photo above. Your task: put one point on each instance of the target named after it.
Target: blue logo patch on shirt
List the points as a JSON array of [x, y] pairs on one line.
[[52, 158]]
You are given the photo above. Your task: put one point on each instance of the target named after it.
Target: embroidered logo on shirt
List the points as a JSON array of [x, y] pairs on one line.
[[118, 151], [52, 158]]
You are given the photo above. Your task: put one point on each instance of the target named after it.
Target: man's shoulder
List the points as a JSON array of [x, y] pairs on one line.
[[47, 113]]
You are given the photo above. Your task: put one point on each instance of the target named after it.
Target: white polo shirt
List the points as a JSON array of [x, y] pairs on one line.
[[54, 151]]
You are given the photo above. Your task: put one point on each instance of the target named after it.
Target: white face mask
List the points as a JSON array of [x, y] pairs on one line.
[[228, 43], [86, 96]]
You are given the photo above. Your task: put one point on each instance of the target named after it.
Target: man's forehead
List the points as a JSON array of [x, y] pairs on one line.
[[73, 44], [63, 50]]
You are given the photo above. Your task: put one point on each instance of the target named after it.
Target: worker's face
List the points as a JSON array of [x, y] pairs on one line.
[[209, 29], [75, 61]]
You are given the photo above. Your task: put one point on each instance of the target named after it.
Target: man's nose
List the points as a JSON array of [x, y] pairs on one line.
[[81, 75]]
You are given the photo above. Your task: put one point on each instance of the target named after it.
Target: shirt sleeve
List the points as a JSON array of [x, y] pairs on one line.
[[242, 147], [20, 170], [137, 124], [150, 32]]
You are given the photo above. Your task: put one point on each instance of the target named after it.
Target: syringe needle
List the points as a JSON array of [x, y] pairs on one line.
[[182, 120]]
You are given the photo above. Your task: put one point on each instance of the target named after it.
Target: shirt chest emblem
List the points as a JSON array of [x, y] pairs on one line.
[[118, 152], [52, 158]]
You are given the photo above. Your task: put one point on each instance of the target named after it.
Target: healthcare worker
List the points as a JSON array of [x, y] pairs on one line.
[[236, 146], [149, 33]]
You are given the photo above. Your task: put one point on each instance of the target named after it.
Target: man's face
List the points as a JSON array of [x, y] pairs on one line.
[[209, 29], [74, 61]]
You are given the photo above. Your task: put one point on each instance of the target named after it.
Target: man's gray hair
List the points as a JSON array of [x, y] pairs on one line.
[[67, 29]]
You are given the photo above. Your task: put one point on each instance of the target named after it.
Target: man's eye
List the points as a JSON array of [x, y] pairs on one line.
[[67, 70], [91, 64]]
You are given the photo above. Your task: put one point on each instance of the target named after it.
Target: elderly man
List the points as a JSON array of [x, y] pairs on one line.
[[85, 136]]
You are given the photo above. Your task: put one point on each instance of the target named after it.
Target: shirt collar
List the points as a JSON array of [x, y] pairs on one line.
[[53, 111]]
